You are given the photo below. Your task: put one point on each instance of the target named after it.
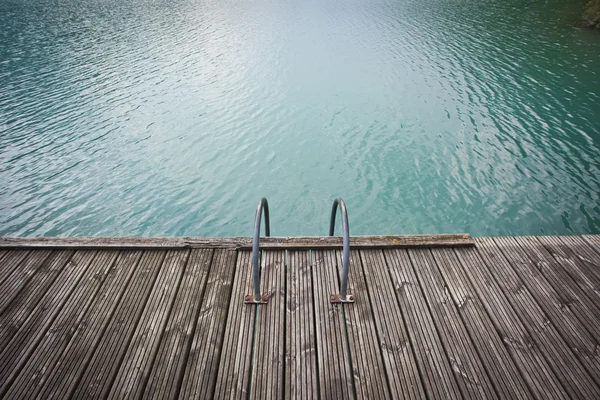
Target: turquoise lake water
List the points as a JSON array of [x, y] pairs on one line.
[[174, 117]]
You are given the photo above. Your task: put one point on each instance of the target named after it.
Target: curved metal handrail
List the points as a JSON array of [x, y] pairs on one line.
[[256, 298], [343, 297]]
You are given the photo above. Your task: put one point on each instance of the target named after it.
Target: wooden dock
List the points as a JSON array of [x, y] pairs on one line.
[[437, 317]]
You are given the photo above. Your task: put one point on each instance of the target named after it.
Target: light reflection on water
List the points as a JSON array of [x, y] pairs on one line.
[[174, 117]]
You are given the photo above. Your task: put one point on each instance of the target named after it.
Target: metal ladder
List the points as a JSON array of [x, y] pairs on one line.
[[263, 206]]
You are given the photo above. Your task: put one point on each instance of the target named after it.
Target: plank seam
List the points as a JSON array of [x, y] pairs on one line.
[[595, 246], [435, 325], [103, 331], [151, 362], [562, 330], [13, 268], [345, 335], [224, 324], [118, 363], [469, 333], [500, 244], [408, 334], [375, 327], [531, 384], [527, 329], [48, 286], [76, 328], [317, 350], [285, 296], [22, 362], [27, 279], [188, 345]]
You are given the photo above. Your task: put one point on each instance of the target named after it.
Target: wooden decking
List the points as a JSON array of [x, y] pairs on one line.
[[514, 317]]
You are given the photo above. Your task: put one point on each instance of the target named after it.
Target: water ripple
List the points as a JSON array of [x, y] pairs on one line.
[[173, 118]]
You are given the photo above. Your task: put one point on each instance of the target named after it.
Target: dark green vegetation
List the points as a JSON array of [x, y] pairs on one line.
[[591, 15]]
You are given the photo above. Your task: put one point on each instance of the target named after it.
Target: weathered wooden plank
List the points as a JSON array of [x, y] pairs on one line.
[[241, 242], [92, 242], [491, 288], [306, 328], [469, 371], [531, 324], [577, 247], [593, 241], [587, 252], [581, 299], [133, 375], [12, 260], [235, 363], [301, 344], [21, 275], [19, 309], [71, 320], [583, 269], [394, 341], [334, 375], [575, 334], [173, 350], [370, 375], [543, 333], [95, 380], [42, 311], [267, 375], [210, 323], [46, 382], [71, 303], [436, 370], [500, 367], [578, 271], [2, 254]]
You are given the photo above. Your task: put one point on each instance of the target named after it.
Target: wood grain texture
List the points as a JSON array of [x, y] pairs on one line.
[[468, 369], [72, 321], [544, 297], [10, 262], [394, 341], [132, 377], [572, 292], [3, 253], [593, 241], [57, 382], [460, 280], [96, 380], [370, 376], [236, 358], [301, 344], [41, 309], [241, 242], [202, 363], [20, 275], [436, 369], [506, 318], [569, 345], [21, 303], [335, 373], [171, 356], [269, 345], [55, 329], [541, 336]]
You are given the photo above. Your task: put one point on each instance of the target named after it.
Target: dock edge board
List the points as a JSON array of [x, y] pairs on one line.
[[239, 242]]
